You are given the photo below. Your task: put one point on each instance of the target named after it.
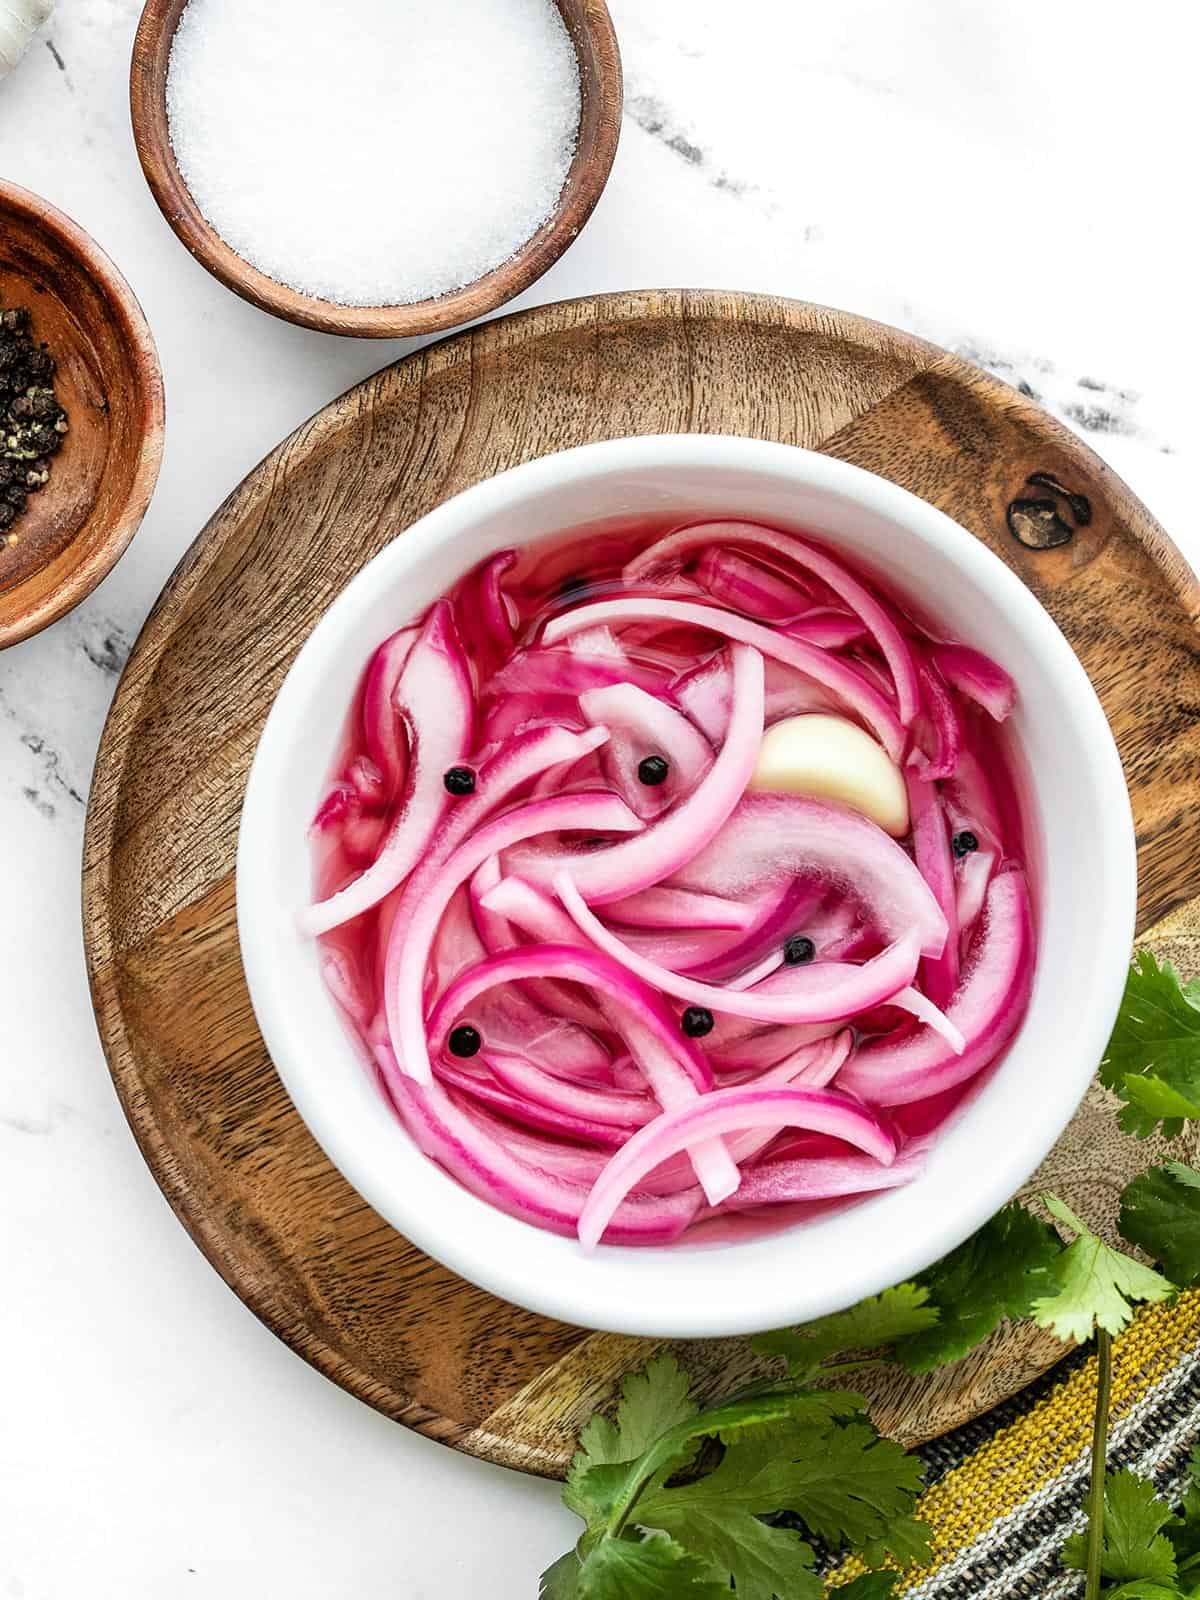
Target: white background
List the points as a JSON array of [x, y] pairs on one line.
[[1013, 179]]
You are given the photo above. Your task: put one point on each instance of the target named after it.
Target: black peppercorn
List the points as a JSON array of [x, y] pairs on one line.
[[697, 1021], [459, 780], [15, 496], [40, 363], [7, 514], [653, 770], [9, 472], [464, 1041], [15, 319], [43, 407], [963, 843], [798, 950]]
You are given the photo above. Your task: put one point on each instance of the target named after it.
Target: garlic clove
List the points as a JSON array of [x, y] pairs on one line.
[[830, 758]]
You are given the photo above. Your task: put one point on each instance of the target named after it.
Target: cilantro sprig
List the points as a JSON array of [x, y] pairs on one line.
[[680, 1503]]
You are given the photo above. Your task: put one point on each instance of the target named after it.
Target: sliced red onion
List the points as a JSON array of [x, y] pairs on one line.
[[640, 725], [988, 1009], [412, 937], [735, 581], [540, 672], [573, 1162], [675, 908], [625, 868], [435, 697], [344, 982], [978, 677], [383, 730], [830, 671], [775, 543], [705, 692], [819, 992], [485, 1167], [770, 1183], [942, 719], [726, 1111], [529, 1113], [497, 610], [673, 1065], [931, 850], [972, 878], [755, 974], [615, 1106], [828, 629], [773, 838]]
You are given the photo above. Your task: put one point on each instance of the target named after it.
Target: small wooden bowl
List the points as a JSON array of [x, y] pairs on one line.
[[109, 381], [591, 30]]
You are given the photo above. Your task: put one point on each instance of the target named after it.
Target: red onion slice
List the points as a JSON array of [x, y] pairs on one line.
[[978, 677], [675, 908], [412, 938], [496, 609], [485, 1167], [931, 850], [435, 697], [726, 1111], [771, 1183], [776, 543], [521, 1077], [821, 992], [640, 725], [670, 844], [988, 1009], [773, 838], [830, 671], [735, 581], [484, 1090], [673, 1066], [383, 730]]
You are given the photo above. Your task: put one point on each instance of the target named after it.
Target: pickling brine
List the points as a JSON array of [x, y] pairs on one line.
[[674, 880]]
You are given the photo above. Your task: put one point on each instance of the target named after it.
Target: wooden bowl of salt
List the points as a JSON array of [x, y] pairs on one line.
[[413, 169]]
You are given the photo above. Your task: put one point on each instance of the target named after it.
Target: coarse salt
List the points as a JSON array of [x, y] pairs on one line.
[[374, 152]]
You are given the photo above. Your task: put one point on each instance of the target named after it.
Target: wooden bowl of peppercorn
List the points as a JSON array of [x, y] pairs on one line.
[[81, 414]]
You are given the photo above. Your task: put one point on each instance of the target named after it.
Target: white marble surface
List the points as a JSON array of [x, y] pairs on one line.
[[1009, 179]]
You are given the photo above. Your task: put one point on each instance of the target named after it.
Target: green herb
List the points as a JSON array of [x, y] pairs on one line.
[[701, 1483], [882, 1320], [1096, 1284], [999, 1272], [1133, 1546], [1160, 1212], [1153, 1057]]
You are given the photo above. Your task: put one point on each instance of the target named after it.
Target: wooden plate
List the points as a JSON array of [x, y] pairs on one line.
[[247, 1180]]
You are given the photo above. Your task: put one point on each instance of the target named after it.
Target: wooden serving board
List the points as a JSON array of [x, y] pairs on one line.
[[249, 1183]]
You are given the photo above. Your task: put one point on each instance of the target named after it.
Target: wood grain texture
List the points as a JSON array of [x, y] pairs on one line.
[[110, 384], [601, 97], [215, 1125]]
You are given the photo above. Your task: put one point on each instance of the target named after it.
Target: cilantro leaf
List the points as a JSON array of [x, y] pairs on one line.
[[1096, 1285], [561, 1581], [717, 1516], [1141, 1590], [648, 1569], [1153, 1058], [1134, 1546], [1185, 1534], [1160, 1212], [998, 1272], [845, 1483], [880, 1320], [652, 1401], [870, 1586]]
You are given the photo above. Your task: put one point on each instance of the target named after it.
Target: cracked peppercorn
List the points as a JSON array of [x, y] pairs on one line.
[[32, 423], [963, 843]]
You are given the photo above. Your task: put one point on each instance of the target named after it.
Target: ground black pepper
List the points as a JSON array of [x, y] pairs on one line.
[[32, 423]]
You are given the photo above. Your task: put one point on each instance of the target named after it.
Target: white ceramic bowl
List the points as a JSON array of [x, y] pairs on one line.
[[1086, 889]]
